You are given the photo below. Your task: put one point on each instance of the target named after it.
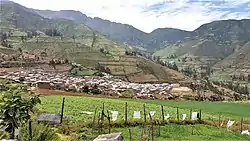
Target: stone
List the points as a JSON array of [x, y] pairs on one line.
[[110, 137]]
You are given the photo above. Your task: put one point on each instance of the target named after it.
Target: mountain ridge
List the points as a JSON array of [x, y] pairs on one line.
[[153, 41]]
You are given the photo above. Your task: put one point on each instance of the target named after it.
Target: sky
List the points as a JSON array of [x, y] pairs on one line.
[[148, 15]]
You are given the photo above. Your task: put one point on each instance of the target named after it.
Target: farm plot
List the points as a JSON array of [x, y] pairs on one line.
[[76, 108]]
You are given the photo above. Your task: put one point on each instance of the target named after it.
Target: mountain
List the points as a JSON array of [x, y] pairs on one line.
[[217, 39], [123, 33], [63, 14], [218, 34], [77, 43], [120, 32], [222, 45]]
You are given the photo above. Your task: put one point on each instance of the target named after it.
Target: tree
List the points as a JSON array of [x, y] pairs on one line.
[[3, 36], [52, 32], [52, 63], [94, 40], [29, 35], [74, 38], [22, 38], [15, 104], [102, 50]]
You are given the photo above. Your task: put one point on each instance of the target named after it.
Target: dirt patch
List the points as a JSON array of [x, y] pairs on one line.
[[183, 91], [47, 92], [142, 78], [12, 69]]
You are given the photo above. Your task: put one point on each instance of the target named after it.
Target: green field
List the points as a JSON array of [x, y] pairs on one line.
[[223, 108], [184, 132], [74, 107]]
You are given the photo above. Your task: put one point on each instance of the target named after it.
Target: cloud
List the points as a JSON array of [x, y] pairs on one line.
[[148, 15]]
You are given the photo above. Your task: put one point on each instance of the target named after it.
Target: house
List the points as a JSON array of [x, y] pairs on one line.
[[43, 84]]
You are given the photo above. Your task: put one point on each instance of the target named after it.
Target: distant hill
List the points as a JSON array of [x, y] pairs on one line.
[[218, 39], [221, 45]]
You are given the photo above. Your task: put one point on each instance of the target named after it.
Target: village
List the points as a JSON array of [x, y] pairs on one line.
[[103, 85]]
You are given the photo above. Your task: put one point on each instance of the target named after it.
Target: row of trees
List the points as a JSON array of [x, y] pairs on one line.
[[53, 32], [241, 78], [102, 50], [242, 89], [4, 42]]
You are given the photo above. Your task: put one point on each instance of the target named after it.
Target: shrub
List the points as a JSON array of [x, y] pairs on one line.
[[40, 132], [3, 134]]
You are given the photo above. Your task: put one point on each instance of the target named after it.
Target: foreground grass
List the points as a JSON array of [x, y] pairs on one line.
[[184, 132]]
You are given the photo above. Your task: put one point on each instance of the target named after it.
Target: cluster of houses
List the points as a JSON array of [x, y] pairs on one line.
[[45, 80]]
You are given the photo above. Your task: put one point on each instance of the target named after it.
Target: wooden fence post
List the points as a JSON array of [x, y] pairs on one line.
[[109, 120], [126, 113], [241, 125], [190, 116], [200, 115], [30, 131], [62, 110], [162, 113], [103, 108], [145, 116], [177, 112]]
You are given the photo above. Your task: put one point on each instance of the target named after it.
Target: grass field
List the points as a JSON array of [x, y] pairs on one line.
[[223, 108], [184, 132], [74, 107]]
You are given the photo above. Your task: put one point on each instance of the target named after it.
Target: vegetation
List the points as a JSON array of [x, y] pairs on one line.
[[183, 132], [15, 104], [40, 132]]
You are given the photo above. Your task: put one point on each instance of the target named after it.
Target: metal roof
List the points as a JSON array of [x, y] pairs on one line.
[[53, 118]]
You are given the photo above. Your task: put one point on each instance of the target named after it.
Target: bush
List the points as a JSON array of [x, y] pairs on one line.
[[86, 89], [40, 132], [3, 134], [95, 90]]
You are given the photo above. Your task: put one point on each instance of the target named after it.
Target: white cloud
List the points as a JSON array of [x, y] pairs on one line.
[[148, 15]]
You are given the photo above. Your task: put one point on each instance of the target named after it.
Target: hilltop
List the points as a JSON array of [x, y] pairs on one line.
[[75, 42]]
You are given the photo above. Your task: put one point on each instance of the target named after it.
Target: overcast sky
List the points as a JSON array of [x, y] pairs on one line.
[[148, 15]]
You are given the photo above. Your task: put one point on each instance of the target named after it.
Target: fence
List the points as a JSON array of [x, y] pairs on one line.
[[104, 120]]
